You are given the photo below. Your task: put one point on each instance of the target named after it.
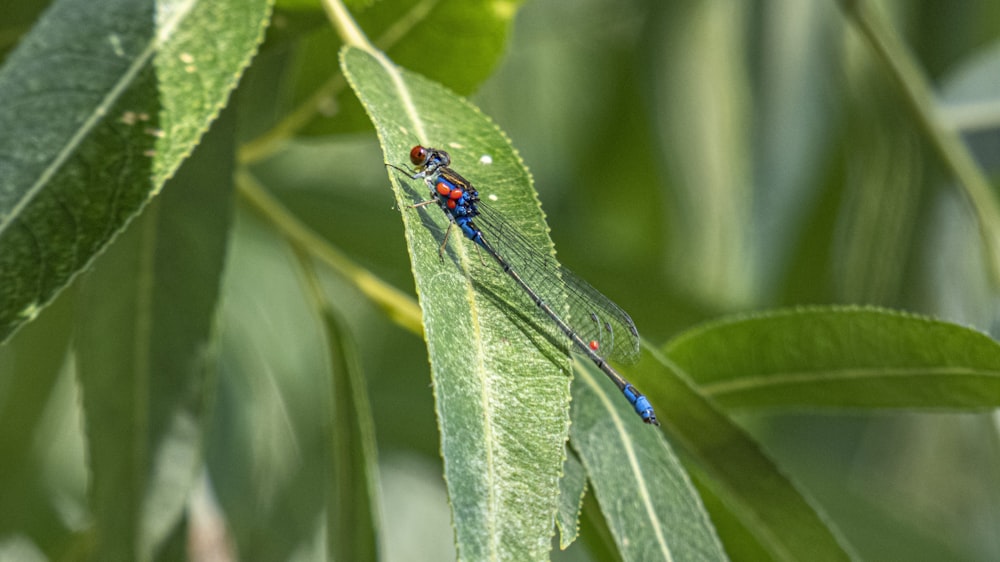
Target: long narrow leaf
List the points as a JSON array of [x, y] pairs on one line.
[[501, 388], [144, 331], [352, 507], [841, 357], [651, 507]]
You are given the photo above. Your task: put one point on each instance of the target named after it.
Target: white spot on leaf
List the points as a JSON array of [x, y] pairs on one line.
[[116, 45], [30, 312]]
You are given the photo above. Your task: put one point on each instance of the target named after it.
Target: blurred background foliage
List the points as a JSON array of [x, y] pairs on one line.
[[694, 159]]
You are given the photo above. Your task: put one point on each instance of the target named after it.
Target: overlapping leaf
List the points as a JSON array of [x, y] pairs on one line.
[[501, 387], [100, 104], [841, 358]]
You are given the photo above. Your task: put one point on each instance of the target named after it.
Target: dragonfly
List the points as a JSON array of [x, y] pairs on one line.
[[595, 326]]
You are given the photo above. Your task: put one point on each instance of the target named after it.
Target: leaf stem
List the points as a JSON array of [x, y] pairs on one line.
[[889, 47], [400, 308], [267, 143], [348, 30], [350, 34]]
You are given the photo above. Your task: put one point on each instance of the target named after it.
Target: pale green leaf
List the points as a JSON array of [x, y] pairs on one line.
[[572, 487], [501, 385], [651, 507], [701, 92], [101, 103]]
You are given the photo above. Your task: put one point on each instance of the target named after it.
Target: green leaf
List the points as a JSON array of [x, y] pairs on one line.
[[651, 507], [30, 367], [572, 488], [841, 357], [352, 506], [715, 251], [594, 531], [101, 103], [916, 91], [737, 471], [466, 38], [741, 544], [144, 330], [17, 20], [269, 447], [501, 386]]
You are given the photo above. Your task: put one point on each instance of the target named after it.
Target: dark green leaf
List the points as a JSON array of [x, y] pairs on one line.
[[101, 103], [352, 506], [739, 542], [30, 365], [142, 346], [466, 39]]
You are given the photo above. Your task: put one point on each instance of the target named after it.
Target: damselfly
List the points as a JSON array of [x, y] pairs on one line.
[[595, 326]]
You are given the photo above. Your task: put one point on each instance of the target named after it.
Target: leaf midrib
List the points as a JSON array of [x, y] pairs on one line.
[[478, 341], [626, 440], [790, 378]]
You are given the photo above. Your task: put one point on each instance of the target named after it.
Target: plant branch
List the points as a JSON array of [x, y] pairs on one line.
[[348, 30], [400, 308]]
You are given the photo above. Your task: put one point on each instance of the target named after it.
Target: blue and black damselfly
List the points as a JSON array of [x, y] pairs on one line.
[[597, 327]]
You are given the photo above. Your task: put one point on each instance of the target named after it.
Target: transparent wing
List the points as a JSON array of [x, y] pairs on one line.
[[593, 316]]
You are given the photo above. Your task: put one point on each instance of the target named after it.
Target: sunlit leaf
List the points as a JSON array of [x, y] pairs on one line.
[[652, 510], [501, 386], [455, 42]]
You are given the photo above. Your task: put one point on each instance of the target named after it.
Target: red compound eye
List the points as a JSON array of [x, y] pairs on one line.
[[418, 155], [594, 345]]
